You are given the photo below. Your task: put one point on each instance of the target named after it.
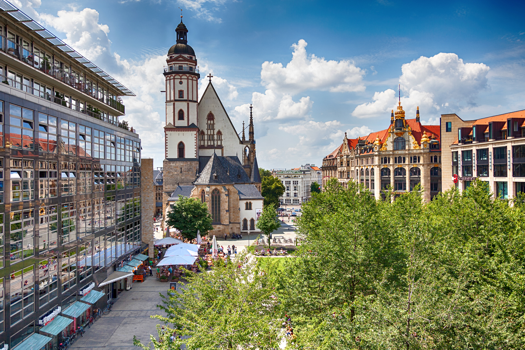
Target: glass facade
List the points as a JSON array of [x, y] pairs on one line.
[[70, 208]]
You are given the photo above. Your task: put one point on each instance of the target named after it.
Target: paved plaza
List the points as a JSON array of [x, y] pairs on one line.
[[129, 316]]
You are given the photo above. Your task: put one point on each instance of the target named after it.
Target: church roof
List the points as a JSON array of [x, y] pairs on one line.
[[184, 191], [222, 170], [255, 176], [248, 192]]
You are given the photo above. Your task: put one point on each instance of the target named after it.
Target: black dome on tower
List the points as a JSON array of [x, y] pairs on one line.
[[181, 47]]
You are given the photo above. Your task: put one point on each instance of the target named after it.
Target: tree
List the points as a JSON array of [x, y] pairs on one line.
[[315, 187], [264, 173], [231, 307], [272, 189], [268, 221], [190, 215]]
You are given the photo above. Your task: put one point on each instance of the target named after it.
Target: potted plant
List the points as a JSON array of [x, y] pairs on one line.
[[163, 278]]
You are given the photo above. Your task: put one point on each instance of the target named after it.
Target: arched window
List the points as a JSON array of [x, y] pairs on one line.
[[180, 149], [181, 114], [399, 172], [219, 138], [202, 139], [203, 196], [372, 172], [210, 130], [400, 160], [399, 143], [216, 206], [252, 224], [415, 172], [367, 174], [245, 225], [362, 173]]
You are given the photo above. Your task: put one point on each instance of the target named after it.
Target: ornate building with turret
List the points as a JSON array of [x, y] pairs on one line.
[[400, 157], [205, 157]]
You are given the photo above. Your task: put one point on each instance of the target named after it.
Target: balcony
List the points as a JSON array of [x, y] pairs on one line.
[[17, 51], [174, 69], [59, 99]]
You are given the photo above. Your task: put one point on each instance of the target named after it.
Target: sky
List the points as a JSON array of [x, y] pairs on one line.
[[313, 70]]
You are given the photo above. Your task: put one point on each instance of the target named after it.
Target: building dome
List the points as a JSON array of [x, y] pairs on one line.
[[181, 49]]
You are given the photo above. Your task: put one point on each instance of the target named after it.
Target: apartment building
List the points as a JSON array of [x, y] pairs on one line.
[[491, 149], [70, 208], [297, 183]]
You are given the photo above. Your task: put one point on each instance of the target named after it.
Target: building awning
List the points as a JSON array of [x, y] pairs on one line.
[[57, 325], [134, 263], [76, 309], [92, 297], [126, 268], [141, 257], [115, 276], [34, 342]]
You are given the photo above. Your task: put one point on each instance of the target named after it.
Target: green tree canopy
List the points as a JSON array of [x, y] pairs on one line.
[[272, 189], [231, 307], [264, 173], [268, 221], [190, 215], [315, 187]]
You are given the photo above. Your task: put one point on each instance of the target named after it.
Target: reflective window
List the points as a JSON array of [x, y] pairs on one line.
[[21, 129]]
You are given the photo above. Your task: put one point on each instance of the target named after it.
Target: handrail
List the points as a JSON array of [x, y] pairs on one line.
[[17, 51]]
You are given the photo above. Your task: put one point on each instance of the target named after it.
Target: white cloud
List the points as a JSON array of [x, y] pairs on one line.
[[224, 88], [203, 8], [273, 106], [438, 84], [306, 72], [29, 7]]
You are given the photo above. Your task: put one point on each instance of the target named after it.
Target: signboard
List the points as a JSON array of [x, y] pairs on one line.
[[46, 319], [258, 213]]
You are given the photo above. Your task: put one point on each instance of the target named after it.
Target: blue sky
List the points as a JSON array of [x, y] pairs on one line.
[[312, 69]]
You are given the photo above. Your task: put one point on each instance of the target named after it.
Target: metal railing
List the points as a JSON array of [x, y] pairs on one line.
[[59, 99], [184, 69], [43, 64]]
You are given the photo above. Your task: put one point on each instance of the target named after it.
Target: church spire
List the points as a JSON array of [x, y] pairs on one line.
[[243, 137], [251, 133], [182, 32]]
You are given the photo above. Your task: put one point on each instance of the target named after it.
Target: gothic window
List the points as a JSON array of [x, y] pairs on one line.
[[245, 225], [216, 206], [219, 138], [399, 143], [181, 114], [203, 196], [210, 130], [252, 224], [181, 93], [202, 139], [180, 148]]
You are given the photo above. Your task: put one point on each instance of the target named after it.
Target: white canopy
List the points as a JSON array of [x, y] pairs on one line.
[[168, 241], [177, 260], [214, 247], [199, 239], [183, 249]]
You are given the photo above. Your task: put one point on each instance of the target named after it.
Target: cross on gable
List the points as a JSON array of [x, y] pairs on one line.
[[209, 76]]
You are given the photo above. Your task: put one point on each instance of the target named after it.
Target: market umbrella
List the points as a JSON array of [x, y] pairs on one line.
[[199, 239], [177, 260], [168, 241], [214, 247], [183, 249]]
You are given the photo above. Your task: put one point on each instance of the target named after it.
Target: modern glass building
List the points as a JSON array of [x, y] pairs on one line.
[[70, 207]]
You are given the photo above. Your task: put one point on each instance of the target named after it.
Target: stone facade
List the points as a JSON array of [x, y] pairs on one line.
[[181, 172], [147, 203], [400, 157]]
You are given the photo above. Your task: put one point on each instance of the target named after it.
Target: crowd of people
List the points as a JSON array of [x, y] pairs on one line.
[[268, 252]]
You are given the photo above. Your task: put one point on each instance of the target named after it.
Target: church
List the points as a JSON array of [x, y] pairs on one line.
[[205, 157]]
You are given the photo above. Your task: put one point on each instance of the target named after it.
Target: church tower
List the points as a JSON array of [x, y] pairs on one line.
[[181, 130]]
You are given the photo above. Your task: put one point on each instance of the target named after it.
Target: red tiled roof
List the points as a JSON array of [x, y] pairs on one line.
[[315, 168], [334, 153]]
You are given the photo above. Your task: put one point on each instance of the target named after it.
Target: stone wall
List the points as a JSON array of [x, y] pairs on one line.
[[147, 203], [176, 173]]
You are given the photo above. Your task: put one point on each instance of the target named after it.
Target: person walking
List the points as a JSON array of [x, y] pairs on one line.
[[150, 271], [229, 251]]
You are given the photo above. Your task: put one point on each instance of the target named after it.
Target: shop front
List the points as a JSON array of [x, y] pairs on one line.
[[115, 283], [79, 312], [95, 299], [35, 342], [58, 329]]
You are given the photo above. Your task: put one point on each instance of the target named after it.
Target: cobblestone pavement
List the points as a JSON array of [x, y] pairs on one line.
[[129, 316]]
